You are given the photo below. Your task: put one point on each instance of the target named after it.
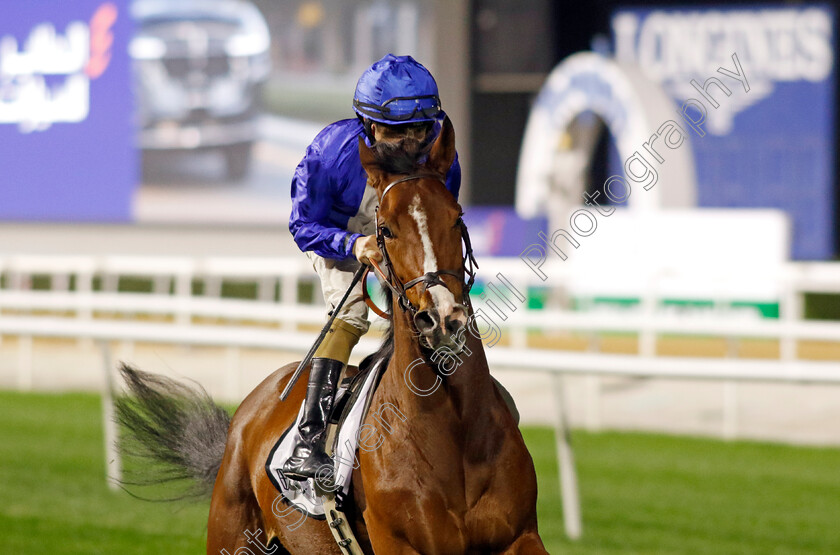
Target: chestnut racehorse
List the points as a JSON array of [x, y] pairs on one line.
[[454, 476]]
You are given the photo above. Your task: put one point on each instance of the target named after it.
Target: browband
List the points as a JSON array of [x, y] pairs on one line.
[[409, 178]]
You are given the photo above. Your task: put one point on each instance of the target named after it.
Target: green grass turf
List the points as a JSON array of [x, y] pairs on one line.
[[641, 493], [644, 493]]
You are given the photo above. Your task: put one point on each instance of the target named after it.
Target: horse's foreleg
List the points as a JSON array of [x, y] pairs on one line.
[[383, 539], [528, 543]]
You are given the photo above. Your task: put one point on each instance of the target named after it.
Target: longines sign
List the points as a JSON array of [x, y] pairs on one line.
[[772, 147]]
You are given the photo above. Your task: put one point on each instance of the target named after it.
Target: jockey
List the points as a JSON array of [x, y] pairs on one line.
[[332, 220]]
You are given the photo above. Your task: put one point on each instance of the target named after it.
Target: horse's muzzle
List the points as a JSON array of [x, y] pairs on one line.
[[447, 335]]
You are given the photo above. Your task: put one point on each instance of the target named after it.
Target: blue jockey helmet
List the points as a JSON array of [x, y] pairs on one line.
[[397, 90]]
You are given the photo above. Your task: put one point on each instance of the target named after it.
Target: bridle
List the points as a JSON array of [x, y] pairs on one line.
[[430, 279]]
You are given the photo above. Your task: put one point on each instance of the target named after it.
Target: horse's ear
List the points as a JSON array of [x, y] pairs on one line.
[[369, 162], [443, 151]]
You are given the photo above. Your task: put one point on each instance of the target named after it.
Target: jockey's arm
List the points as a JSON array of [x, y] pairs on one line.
[[312, 199]]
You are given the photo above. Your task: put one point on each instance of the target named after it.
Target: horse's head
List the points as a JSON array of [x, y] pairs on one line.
[[420, 230]]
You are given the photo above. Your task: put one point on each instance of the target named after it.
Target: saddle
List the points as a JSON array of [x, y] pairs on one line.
[[350, 408]]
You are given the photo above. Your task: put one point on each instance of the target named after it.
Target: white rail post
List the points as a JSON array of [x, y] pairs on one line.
[[183, 292], [24, 363], [289, 297], [60, 282], [113, 461], [17, 280], [161, 284], [647, 333], [265, 289], [592, 385], [213, 286], [791, 312], [84, 289], [566, 462], [730, 396], [110, 282]]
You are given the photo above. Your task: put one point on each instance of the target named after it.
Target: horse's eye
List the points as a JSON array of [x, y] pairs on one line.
[[459, 222], [386, 232]]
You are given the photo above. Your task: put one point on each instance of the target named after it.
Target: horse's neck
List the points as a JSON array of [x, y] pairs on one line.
[[414, 384]]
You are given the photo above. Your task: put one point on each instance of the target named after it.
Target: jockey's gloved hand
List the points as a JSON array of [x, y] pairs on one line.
[[365, 249]]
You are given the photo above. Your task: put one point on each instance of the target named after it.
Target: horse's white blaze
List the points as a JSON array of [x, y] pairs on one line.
[[416, 212], [442, 297]]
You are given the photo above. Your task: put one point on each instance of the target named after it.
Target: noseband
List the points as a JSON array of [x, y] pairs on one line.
[[429, 279]]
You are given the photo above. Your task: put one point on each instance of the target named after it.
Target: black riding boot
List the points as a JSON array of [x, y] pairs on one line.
[[309, 454]]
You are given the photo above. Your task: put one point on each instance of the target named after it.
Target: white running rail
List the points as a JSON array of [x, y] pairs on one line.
[[71, 307]]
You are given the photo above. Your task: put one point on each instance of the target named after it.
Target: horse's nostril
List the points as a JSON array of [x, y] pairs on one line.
[[456, 319], [453, 325], [426, 321]]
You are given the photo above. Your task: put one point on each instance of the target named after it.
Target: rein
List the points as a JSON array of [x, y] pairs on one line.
[[430, 279]]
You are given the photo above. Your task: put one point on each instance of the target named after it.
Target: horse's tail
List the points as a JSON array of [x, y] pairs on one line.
[[178, 427]]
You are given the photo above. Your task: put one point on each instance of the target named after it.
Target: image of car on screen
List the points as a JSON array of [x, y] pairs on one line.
[[199, 70]]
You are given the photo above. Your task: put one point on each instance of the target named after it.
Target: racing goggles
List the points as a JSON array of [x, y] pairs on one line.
[[402, 108]]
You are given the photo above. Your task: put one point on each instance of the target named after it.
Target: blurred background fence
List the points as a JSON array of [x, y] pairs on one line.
[[273, 303]]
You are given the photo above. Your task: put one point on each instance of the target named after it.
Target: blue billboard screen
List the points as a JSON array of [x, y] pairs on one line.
[[769, 148], [66, 131]]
